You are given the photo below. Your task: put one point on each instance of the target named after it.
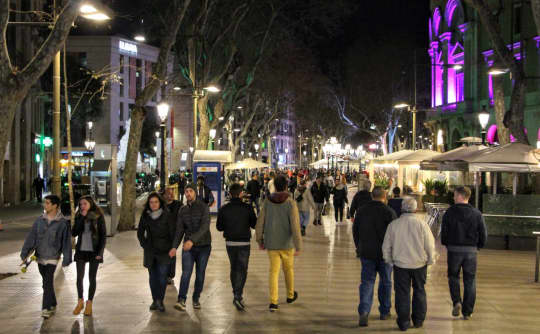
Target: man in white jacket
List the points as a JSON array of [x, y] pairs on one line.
[[410, 247]]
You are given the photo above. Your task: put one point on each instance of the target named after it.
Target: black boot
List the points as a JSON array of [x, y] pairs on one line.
[[160, 305], [303, 230]]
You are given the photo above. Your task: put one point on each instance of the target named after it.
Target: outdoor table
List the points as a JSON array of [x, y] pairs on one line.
[[537, 268]]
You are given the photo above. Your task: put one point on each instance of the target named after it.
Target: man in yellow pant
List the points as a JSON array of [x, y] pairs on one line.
[[278, 231]]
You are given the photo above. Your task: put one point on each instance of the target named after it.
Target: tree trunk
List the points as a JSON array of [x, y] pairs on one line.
[[517, 106], [69, 147], [500, 109], [127, 212], [176, 13], [204, 123], [535, 6]]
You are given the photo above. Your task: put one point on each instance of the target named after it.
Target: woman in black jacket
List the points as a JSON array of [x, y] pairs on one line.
[[90, 229], [156, 234], [340, 198]]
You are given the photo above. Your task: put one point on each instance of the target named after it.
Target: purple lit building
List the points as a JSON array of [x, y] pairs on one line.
[[461, 56]]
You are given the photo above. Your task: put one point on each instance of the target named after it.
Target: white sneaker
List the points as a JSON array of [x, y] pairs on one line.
[[46, 314]]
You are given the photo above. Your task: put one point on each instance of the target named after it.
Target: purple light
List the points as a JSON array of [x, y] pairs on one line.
[[491, 135], [463, 27], [490, 84], [460, 87], [449, 107], [449, 11], [436, 20], [439, 81], [445, 36], [430, 30], [537, 39]]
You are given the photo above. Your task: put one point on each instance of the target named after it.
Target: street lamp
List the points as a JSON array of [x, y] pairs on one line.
[[483, 118], [163, 112], [413, 110]]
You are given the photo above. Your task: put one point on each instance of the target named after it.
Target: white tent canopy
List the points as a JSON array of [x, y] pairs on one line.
[[393, 156], [213, 156], [417, 156], [512, 157], [247, 164], [454, 160]]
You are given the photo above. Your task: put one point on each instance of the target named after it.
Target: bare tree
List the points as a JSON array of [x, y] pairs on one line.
[[514, 118], [16, 82], [174, 16]]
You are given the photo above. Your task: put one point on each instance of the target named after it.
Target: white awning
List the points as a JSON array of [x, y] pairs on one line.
[[213, 156]]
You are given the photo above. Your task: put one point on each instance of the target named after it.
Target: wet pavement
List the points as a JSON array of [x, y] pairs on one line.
[[327, 274]]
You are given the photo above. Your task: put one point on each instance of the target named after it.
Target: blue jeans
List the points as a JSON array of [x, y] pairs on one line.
[[370, 269], [195, 256], [158, 279], [466, 262], [304, 218]]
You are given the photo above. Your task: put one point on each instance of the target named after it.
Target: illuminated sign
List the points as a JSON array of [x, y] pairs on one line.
[[127, 47]]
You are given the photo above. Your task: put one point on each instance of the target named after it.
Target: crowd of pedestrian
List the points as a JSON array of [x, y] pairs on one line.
[[388, 236]]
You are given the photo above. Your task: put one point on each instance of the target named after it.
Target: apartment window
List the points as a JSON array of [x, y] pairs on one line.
[[122, 86], [121, 64], [121, 111], [138, 76]]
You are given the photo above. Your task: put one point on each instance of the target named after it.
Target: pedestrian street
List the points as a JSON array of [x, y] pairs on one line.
[[327, 274]]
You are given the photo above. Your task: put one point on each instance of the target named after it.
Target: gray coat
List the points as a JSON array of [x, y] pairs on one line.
[[49, 239]]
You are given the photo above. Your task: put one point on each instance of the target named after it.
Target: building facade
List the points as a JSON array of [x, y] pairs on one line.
[[461, 57], [28, 151], [131, 63]]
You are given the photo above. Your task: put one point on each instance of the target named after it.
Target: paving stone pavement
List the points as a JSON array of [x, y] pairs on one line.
[[327, 274]]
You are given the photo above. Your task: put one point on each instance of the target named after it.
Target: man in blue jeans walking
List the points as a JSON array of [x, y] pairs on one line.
[[369, 228], [194, 224], [463, 232]]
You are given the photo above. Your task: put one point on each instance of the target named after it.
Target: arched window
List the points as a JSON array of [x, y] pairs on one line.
[[436, 21]]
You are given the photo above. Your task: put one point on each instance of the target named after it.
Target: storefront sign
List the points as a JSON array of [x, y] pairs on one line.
[[127, 47]]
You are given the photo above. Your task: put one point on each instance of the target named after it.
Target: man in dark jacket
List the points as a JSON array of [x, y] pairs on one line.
[[39, 185], [204, 193], [182, 181], [235, 220], [194, 226], [254, 191], [369, 228], [463, 233], [172, 206], [49, 237], [362, 196], [320, 194]]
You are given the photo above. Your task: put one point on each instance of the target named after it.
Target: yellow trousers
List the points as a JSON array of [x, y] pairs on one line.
[[277, 257]]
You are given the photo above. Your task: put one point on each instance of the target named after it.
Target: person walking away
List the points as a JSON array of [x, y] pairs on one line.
[[254, 191], [194, 224], [463, 232], [320, 194], [157, 236], [182, 181], [410, 247], [278, 231], [329, 180], [172, 206], [271, 187], [362, 196], [369, 228], [204, 193], [89, 228], [395, 202], [49, 237], [305, 202], [340, 198], [235, 220], [293, 183], [39, 185]]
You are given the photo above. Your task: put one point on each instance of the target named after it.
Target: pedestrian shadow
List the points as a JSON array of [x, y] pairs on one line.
[[88, 326]]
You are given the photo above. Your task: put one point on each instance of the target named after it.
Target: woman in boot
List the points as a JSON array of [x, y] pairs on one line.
[[156, 234], [90, 229]]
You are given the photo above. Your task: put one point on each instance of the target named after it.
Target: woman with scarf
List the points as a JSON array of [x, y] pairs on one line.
[[340, 198], [156, 234], [90, 229]]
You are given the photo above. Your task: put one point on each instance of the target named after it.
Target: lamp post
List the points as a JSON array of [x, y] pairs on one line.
[[413, 110], [257, 150], [212, 134], [483, 119], [197, 94], [163, 112], [89, 11]]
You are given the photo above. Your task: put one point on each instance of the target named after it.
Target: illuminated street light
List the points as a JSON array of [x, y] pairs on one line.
[[212, 89], [401, 106], [94, 11], [139, 38], [163, 111]]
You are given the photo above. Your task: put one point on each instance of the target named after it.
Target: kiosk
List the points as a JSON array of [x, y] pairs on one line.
[[210, 164]]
